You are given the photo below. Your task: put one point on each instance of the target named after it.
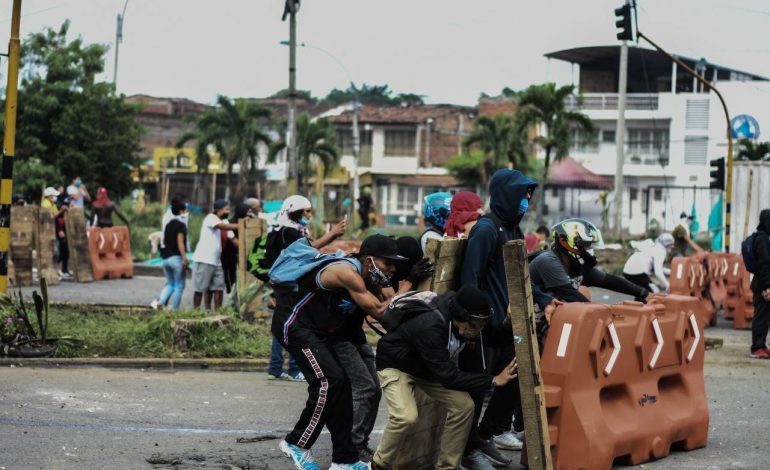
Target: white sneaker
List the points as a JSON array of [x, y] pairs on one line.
[[302, 458], [519, 435], [350, 466], [508, 441], [155, 304]]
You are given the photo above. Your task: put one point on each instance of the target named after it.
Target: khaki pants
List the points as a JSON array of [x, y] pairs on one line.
[[398, 389]]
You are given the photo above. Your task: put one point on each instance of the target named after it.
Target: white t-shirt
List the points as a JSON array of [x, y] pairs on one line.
[[209, 249], [648, 261], [427, 235]]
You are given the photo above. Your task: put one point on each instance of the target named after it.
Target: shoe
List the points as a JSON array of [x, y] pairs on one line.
[[508, 441], [760, 354], [350, 466], [302, 458], [298, 377], [476, 460], [365, 453], [519, 434], [490, 451], [281, 376], [155, 304]]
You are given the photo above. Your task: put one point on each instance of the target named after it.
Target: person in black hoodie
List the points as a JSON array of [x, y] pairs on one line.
[[422, 352], [483, 266], [760, 286]]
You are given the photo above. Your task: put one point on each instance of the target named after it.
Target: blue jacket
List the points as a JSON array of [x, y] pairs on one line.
[[483, 264]]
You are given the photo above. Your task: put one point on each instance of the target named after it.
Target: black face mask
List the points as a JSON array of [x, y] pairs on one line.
[[588, 260]]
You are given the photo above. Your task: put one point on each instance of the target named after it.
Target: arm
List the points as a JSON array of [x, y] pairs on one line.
[[122, 216], [344, 276], [761, 251], [567, 293], [541, 298], [657, 268], [594, 277], [693, 245], [182, 248], [337, 231], [226, 226]]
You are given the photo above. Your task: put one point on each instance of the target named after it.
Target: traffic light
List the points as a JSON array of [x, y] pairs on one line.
[[717, 174], [623, 15]]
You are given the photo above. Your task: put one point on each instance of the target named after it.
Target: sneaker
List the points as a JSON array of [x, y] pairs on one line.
[[508, 441], [302, 458], [476, 460], [298, 377], [760, 354], [350, 466], [155, 304], [519, 434], [365, 453], [490, 451], [281, 376]]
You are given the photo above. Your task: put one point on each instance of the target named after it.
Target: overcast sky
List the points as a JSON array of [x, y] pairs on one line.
[[448, 50]]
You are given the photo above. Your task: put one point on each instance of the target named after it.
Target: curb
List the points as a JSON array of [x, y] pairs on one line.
[[232, 365]]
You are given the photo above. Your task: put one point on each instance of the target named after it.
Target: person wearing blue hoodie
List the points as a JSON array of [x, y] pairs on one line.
[[510, 192]]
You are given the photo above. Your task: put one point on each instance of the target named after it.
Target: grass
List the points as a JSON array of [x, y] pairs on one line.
[[141, 334]]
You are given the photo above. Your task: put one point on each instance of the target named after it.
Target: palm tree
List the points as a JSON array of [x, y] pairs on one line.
[[317, 154], [208, 137], [545, 104], [501, 139], [754, 151]]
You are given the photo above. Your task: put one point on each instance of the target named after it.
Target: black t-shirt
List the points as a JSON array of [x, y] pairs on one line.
[[170, 246]]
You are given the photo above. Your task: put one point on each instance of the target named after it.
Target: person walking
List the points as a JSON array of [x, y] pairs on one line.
[[208, 277], [760, 286], [174, 254]]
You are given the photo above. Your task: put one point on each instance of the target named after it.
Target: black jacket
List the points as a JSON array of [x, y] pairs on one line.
[[418, 346], [761, 252]]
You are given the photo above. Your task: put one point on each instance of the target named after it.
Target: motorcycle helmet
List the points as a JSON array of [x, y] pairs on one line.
[[435, 209], [578, 238]]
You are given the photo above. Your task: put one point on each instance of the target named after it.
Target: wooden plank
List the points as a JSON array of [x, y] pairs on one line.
[[522, 314], [46, 247], [77, 240], [447, 256], [23, 221], [248, 231]]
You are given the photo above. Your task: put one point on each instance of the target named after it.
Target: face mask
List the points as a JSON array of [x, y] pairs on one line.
[[304, 221], [523, 206], [376, 276]]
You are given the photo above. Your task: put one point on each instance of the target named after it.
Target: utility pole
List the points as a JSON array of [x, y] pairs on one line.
[[118, 40], [9, 143], [356, 153], [624, 22], [291, 8]]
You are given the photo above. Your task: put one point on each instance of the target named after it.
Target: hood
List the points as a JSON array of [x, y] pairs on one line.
[[506, 190], [764, 221]]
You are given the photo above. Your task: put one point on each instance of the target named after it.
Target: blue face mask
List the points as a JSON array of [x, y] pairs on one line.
[[523, 206], [304, 221]]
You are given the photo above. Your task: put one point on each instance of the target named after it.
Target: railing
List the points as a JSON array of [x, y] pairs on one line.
[[609, 101]]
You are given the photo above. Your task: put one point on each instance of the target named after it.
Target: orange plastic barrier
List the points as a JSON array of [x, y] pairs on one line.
[[689, 277], [110, 250], [624, 382], [717, 268], [739, 303]]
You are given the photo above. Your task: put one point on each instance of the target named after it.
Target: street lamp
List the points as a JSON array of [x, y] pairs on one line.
[[118, 40]]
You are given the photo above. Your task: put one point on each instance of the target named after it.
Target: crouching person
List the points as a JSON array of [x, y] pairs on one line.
[[426, 334]]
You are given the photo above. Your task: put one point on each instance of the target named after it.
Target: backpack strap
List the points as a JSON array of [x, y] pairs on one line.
[[500, 235]]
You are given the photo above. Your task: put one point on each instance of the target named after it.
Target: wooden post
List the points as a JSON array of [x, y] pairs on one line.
[[23, 221], [522, 314], [77, 240], [248, 231], [447, 257], [45, 245]]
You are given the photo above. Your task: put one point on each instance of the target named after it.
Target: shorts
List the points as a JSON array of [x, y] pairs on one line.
[[208, 277]]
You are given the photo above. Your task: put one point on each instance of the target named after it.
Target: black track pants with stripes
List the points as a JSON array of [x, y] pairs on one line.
[[329, 402]]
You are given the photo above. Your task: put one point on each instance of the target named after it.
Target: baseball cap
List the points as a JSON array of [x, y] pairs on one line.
[[49, 191], [220, 203], [381, 247]]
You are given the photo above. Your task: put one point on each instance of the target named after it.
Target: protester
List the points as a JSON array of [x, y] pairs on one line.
[[208, 277], [682, 237], [18, 199], [365, 206], [409, 248], [435, 210], [293, 220], [168, 216], [174, 254], [229, 256], [78, 193], [63, 205], [538, 240], [650, 261], [421, 353], [464, 210], [483, 267], [50, 196], [304, 317], [760, 286], [103, 208]]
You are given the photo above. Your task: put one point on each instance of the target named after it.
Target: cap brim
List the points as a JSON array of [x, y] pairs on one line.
[[390, 257]]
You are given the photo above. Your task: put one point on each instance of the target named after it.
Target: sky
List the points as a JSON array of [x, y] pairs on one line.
[[448, 50]]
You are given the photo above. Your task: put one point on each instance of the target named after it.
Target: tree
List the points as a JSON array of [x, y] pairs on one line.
[[466, 168], [68, 123], [754, 151], [501, 140], [372, 94], [544, 104]]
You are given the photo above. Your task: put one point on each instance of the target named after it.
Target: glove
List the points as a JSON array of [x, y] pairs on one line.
[[421, 270]]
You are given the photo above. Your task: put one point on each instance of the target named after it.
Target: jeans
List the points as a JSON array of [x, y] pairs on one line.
[[276, 361], [175, 278], [358, 363]]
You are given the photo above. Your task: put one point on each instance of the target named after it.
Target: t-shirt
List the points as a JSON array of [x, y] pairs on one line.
[[47, 204], [427, 235], [548, 272], [209, 249], [170, 246]]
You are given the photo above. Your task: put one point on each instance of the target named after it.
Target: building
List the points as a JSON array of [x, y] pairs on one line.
[[674, 127]]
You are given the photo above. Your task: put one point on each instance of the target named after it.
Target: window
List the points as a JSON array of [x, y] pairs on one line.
[[657, 194], [583, 142], [608, 137], [648, 146], [695, 149], [400, 143], [407, 199], [555, 191], [344, 140], [634, 194]]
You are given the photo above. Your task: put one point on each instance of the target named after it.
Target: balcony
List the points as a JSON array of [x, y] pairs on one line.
[[609, 102]]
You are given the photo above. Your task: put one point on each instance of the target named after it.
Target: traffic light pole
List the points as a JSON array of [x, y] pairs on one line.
[[707, 84], [620, 139]]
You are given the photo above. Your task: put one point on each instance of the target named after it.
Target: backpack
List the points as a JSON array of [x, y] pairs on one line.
[[256, 261], [747, 250], [298, 259], [405, 306]]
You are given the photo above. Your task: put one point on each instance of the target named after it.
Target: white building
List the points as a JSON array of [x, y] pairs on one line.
[[673, 129]]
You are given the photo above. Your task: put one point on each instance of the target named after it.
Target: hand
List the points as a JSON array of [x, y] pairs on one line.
[[551, 308], [61, 233], [339, 228], [421, 270], [506, 375], [185, 264]]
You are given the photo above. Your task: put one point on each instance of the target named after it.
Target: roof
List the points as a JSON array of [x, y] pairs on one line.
[[608, 56], [569, 173], [375, 114]]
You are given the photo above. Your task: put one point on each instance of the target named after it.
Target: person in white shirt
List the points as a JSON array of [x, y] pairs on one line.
[[650, 261], [208, 276]]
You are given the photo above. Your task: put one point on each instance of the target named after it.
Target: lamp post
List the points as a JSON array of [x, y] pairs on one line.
[[118, 40]]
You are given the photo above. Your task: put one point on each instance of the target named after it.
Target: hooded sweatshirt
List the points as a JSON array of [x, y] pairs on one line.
[[761, 251], [483, 264]]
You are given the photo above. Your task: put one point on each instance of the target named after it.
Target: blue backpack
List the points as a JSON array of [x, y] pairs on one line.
[[747, 248], [298, 259]]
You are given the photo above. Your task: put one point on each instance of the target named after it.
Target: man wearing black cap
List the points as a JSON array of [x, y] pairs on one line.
[[308, 321], [422, 352]]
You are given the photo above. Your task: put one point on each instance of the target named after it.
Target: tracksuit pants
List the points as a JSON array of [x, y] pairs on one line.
[[329, 402], [761, 322]]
